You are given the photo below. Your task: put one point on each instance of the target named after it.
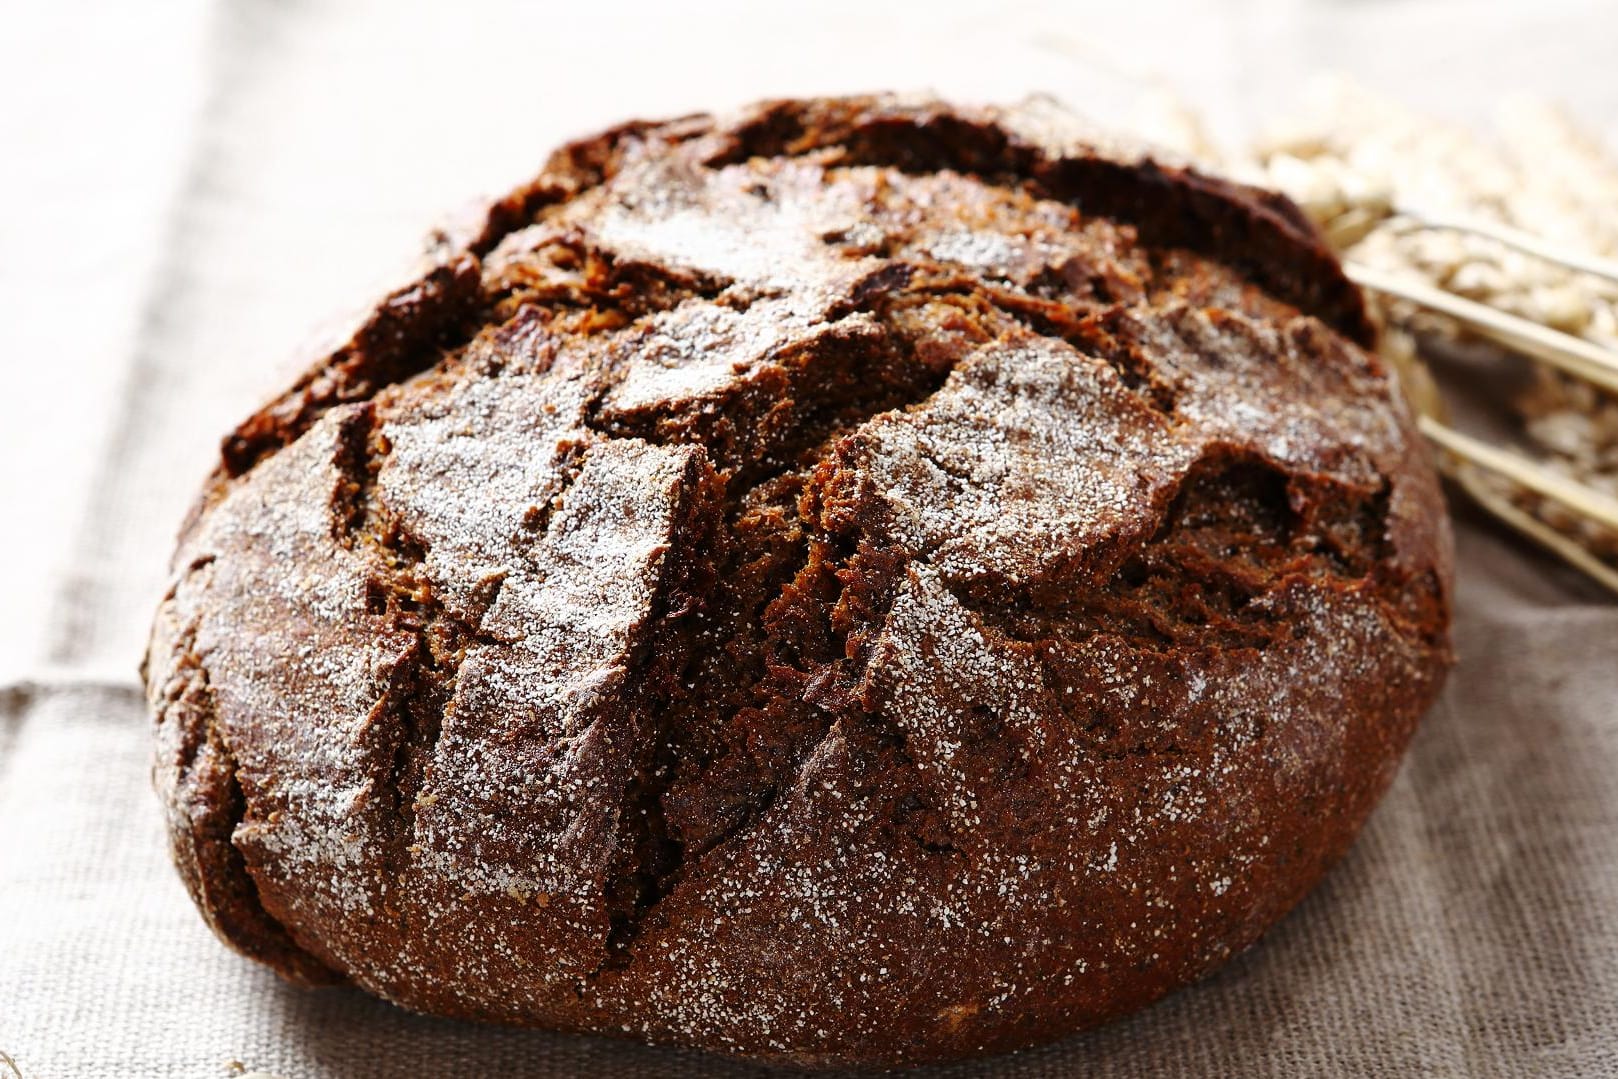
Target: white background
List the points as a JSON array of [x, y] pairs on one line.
[[138, 139]]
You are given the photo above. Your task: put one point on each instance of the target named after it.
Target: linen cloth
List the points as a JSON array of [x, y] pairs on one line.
[[200, 182]]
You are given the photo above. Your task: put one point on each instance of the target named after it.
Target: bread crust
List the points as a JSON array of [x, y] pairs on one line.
[[859, 582]]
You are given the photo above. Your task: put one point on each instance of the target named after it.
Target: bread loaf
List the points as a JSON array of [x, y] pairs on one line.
[[860, 582]]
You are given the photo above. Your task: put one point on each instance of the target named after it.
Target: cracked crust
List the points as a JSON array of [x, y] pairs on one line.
[[860, 582]]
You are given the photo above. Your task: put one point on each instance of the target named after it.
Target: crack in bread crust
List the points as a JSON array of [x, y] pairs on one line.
[[196, 767], [855, 493]]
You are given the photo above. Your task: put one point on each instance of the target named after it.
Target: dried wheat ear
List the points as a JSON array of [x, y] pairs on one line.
[[1507, 242]]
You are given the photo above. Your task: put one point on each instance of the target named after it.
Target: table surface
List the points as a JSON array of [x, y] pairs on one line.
[[194, 186]]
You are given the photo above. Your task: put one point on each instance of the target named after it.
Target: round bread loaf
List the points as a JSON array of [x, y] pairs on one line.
[[860, 582]]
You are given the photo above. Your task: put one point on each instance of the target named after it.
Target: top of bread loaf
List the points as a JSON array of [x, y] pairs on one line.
[[863, 580]]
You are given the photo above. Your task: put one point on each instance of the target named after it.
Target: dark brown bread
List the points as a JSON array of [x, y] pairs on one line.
[[864, 582]]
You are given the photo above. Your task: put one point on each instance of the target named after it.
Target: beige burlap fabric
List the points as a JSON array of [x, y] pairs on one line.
[[202, 181], [1471, 930]]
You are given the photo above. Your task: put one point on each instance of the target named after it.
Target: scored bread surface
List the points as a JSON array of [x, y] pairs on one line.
[[859, 582]]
